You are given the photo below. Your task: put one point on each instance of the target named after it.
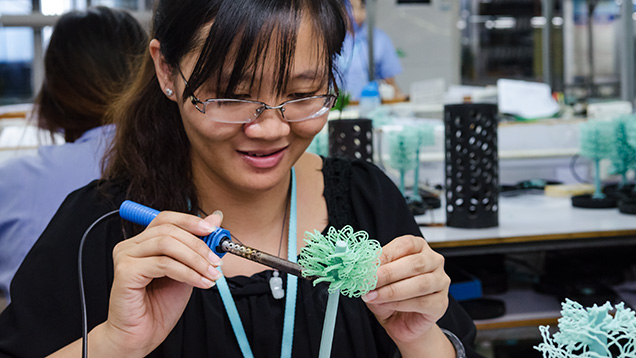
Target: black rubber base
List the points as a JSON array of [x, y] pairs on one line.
[[619, 192], [429, 201], [588, 202], [627, 206], [417, 207]]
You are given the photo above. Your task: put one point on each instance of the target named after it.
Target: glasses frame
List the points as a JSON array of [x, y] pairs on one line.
[[263, 106]]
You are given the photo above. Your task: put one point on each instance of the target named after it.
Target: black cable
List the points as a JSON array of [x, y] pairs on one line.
[[81, 282], [573, 170]]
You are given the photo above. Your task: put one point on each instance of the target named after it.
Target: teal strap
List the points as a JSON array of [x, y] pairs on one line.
[[292, 281], [290, 300], [235, 318]]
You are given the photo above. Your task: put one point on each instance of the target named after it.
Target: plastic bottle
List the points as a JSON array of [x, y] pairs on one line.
[[369, 99]]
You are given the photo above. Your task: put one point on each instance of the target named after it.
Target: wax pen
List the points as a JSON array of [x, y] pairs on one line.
[[219, 241]]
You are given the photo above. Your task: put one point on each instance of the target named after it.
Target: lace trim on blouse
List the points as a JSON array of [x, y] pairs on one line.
[[337, 176]]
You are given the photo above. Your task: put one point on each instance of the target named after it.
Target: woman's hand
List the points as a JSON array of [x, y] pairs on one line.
[[155, 272], [412, 290]]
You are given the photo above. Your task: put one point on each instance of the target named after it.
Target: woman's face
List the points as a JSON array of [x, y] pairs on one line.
[[359, 11], [256, 156]]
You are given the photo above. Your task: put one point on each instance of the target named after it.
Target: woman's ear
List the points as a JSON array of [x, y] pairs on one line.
[[163, 70]]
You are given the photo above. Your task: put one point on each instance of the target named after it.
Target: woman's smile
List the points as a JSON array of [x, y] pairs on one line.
[[264, 158]]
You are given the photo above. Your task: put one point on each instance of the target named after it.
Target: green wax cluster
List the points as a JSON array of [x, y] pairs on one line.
[[403, 147], [353, 272], [591, 332], [596, 139], [624, 154]]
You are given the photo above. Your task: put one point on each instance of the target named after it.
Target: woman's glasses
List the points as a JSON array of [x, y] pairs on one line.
[[246, 111], [226, 110]]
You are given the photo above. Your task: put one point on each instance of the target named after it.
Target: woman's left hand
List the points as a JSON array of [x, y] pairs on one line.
[[412, 290]]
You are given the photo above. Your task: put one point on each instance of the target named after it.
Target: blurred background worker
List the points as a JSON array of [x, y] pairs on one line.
[[87, 63], [354, 60]]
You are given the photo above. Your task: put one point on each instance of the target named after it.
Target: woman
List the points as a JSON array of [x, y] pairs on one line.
[[193, 138], [88, 61]]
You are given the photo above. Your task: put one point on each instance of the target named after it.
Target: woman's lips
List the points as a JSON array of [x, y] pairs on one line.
[[263, 159]]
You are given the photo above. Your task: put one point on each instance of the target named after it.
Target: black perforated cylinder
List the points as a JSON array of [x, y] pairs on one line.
[[351, 138], [471, 165]]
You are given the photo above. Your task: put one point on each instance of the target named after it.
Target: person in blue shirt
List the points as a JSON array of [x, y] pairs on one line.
[[353, 62], [88, 61]]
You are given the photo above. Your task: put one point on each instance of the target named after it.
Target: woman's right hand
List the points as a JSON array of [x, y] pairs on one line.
[[155, 273]]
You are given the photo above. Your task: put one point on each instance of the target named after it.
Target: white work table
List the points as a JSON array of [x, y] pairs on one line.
[[529, 222]]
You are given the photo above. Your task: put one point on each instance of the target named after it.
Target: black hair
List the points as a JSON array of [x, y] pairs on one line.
[[242, 28], [152, 151], [89, 59]]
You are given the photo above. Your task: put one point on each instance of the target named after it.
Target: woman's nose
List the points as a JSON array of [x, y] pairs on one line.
[[270, 124]]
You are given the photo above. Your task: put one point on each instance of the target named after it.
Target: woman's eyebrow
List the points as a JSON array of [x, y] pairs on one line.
[[246, 77], [306, 75]]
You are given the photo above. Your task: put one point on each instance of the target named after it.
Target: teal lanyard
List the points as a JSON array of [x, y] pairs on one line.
[[290, 299]]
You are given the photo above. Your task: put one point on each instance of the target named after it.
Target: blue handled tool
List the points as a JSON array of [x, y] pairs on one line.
[[143, 215], [219, 241]]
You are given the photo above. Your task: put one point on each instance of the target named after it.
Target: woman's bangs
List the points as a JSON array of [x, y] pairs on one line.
[[235, 54]]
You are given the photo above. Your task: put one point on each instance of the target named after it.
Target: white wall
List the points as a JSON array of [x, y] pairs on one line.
[[428, 35]]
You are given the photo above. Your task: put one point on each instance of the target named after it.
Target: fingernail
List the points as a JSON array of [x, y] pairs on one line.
[[214, 260], [207, 283], [206, 226], [219, 213], [214, 272], [372, 295]]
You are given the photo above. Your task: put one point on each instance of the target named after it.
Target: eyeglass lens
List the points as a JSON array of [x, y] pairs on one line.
[[244, 111]]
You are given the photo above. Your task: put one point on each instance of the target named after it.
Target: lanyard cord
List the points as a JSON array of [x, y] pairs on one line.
[[290, 297]]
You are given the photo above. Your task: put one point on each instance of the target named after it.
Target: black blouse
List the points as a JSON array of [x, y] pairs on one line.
[[45, 314]]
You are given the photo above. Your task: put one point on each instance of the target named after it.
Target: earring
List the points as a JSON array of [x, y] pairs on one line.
[[169, 92]]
